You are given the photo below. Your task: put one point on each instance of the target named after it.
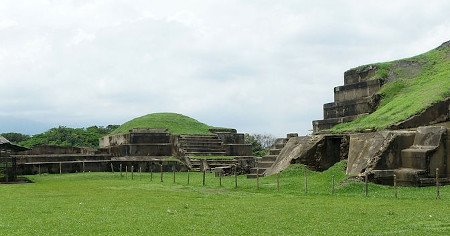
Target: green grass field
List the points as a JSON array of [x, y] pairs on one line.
[[107, 204]]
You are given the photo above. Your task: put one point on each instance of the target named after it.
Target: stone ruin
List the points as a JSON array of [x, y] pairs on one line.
[[411, 150], [8, 163], [145, 149]]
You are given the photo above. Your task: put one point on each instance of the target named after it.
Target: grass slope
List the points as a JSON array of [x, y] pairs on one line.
[[107, 204], [419, 82], [175, 123]]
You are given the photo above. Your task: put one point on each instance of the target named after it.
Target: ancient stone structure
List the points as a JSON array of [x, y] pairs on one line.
[[8, 163], [356, 97], [158, 142], [265, 163], [411, 155]]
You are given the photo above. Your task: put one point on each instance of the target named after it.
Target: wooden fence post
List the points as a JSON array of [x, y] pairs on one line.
[[60, 168], [120, 170], [112, 168], [132, 172]]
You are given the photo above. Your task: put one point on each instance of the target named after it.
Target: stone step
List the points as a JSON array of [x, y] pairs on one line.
[[274, 151], [357, 90], [206, 153], [409, 176], [200, 143], [187, 136], [415, 158], [319, 125], [264, 164], [194, 145], [347, 108], [204, 149], [268, 158]]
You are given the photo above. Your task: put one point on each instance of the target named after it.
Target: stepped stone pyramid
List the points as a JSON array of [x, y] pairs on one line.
[[356, 97]]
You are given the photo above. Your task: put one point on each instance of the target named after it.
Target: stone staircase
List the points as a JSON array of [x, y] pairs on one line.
[[209, 165], [419, 162], [264, 163], [201, 145], [353, 99]]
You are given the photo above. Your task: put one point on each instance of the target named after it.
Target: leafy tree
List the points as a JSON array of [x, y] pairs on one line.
[[70, 137], [15, 137], [260, 143]]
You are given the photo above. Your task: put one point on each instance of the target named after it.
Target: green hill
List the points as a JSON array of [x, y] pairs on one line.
[[175, 123], [414, 84]]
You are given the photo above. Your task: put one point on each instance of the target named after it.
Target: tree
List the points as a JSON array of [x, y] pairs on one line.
[[16, 137], [260, 143], [70, 137]]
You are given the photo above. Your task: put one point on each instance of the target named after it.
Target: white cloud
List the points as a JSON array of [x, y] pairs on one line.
[[259, 66]]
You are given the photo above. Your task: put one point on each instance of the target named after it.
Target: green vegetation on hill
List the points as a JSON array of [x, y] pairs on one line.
[[418, 82], [175, 123], [69, 137], [105, 203]]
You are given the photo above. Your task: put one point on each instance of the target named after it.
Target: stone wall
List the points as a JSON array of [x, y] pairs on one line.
[[356, 97]]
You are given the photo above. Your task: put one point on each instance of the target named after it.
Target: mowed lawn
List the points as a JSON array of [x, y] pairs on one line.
[[108, 204]]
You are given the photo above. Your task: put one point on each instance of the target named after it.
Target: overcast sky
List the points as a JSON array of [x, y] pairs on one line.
[[258, 66]]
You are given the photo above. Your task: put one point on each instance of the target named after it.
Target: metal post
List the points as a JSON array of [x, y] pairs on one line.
[[220, 178], [332, 185], [120, 169], [161, 170], [306, 180], [140, 173], [173, 170], [132, 172], [437, 184], [235, 177], [60, 168], [39, 169], [112, 168], [151, 173], [395, 186], [204, 177], [84, 167], [366, 185], [188, 177], [126, 171], [278, 181], [257, 178]]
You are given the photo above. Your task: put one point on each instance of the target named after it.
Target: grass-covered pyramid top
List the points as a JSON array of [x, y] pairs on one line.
[[413, 85], [175, 123]]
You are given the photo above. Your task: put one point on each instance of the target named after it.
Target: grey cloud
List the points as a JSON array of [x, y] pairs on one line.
[[259, 66]]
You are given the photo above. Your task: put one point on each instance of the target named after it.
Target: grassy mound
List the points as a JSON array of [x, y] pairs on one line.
[[416, 83], [175, 123]]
